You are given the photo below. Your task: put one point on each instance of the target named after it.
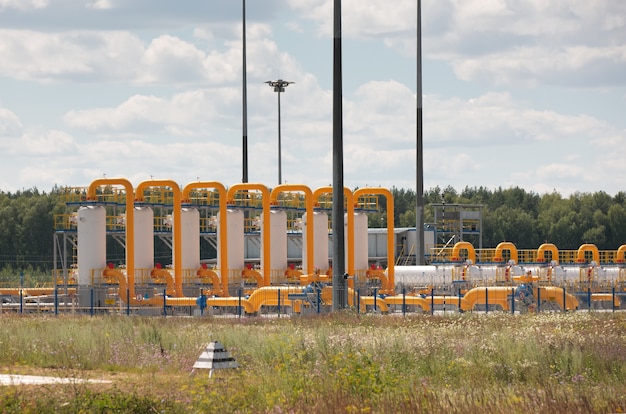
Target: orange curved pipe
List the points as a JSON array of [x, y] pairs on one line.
[[223, 227], [390, 231], [130, 288], [587, 247], [215, 280], [620, 254], [506, 246], [130, 224], [164, 274], [308, 200], [253, 274], [547, 247], [176, 213], [349, 197], [458, 246], [266, 219]]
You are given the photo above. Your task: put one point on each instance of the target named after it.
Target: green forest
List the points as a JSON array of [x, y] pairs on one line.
[[525, 218]]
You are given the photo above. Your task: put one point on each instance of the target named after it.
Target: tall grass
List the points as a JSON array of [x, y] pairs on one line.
[[335, 363]]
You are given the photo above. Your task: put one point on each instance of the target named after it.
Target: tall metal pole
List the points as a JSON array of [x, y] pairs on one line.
[[244, 178], [340, 294], [279, 86], [419, 191], [280, 161]]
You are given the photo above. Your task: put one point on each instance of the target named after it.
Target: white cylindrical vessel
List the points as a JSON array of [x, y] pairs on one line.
[[320, 242], [144, 239], [190, 239], [278, 245], [91, 244], [234, 245], [361, 256]]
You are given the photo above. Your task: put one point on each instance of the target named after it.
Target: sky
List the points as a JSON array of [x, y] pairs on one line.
[[516, 93]]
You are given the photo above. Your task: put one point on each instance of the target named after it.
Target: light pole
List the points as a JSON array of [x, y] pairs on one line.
[[279, 86], [244, 126]]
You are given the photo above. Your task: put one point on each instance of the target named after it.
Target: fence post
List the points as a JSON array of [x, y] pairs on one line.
[[319, 299], [21, 302], [538, 299], [202, 302], [403, 301], [56, 300], [164, 302], [486, 300], [613, 298], [239, 293], [91, 301], [460, 310], [589, 298], [564, 299], [432, 301], [375, 296], [358, 301], [512, 301], [278, 293]]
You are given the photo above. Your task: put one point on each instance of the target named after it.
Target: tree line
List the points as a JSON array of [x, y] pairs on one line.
[[525, 218]]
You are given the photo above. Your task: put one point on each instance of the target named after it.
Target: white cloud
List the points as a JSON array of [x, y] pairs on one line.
[[100, 5], [23, 4], [10, 125], [186, 113]]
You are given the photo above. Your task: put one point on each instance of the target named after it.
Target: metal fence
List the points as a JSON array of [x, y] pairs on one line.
[[277, 301]]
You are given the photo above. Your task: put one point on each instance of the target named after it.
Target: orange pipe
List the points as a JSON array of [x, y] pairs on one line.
[[349, 197], [549, 247], [458, 246], [308, 200], [130, 225], [390, 231], [506, 246], [620, 254], [223, 221], [176, 212], [266, 220], [215, 280], [587, 247], [124, 287]]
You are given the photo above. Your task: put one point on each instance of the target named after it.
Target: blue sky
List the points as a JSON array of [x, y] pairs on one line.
[[521, 93]]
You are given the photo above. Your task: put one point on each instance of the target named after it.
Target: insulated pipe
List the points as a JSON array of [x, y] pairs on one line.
[[176, 213], [587, 247], [223, 221], [130, 225], [349, 197], [506, 246], [549, 247], [308, 200], [390, 231], [266, 220], [471, 253]]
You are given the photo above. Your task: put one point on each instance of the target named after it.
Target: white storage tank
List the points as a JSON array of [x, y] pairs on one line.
[[144, 241], [320, 242], [190, 239], [234, 245], [91, 230], [278, 245], [361, 258]]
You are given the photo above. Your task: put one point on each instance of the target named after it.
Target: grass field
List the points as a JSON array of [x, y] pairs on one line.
[[340, 363]]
